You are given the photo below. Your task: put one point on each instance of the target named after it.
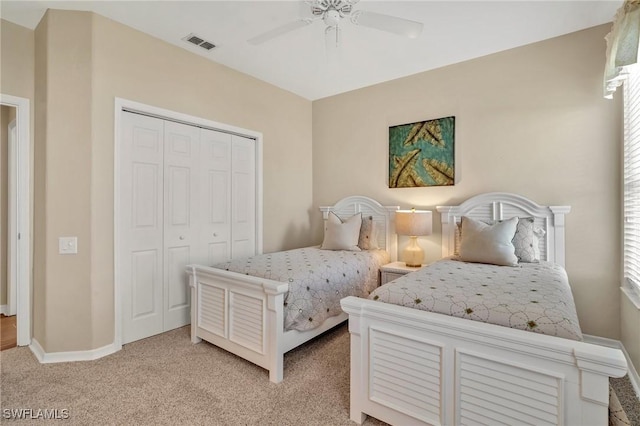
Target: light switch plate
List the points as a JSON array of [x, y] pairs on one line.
[[68, 245]]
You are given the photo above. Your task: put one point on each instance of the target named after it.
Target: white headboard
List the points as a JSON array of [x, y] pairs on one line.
[[500, 206], [382, 218]]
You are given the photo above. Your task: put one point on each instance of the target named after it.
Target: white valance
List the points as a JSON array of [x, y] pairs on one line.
[[622, 45]]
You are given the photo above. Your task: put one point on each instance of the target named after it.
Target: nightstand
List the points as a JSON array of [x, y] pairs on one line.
[[394, 270]]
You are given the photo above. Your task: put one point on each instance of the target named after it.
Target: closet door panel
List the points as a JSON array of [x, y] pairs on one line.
[[144, 267], [179, 197], [177, 259], [181, 151], [243, 188], [186, 195], [215, 196], [140, 224]]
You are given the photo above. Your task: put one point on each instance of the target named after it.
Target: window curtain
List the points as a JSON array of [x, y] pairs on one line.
[[622, 45]]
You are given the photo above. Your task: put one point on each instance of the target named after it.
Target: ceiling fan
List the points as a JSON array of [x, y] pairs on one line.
[[333, 12]]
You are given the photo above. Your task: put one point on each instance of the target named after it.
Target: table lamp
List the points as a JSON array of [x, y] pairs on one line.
[[414, 223]]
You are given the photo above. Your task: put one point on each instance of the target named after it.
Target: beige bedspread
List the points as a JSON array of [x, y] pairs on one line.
[[531, 296], [317, 279]]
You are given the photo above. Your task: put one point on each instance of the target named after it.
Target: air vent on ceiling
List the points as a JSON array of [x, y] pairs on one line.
[[207, 45], [198, 41]]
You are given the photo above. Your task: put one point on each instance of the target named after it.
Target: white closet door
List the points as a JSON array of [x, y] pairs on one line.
[[215, 198], [141, 226], [181, 230], [186, 196], [243, 196]]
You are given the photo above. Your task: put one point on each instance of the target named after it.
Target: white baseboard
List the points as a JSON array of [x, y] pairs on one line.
[[4, 310], [634, 378], [633, 373], [53, 357]]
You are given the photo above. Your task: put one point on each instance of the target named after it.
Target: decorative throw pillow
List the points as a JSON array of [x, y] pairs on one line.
[[339, 235], [538, 234], [525, 241], [483, 243], [368, 239]]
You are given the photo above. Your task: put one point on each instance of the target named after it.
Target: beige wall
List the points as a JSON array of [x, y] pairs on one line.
[[67, 289], [39, 183], [17, 65], [87, 61], [530, 120]]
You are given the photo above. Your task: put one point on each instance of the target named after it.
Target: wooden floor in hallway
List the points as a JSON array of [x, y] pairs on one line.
[[8, 332]]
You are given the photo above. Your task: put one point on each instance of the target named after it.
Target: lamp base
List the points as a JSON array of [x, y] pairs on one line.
[[413, 255]]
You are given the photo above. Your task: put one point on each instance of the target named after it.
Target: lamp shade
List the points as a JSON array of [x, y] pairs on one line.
[[413, 222]]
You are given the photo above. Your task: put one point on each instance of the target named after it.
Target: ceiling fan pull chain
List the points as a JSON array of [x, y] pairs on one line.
[[328, 33]]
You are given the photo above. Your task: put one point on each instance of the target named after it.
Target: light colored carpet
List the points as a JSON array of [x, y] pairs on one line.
[[166, 380], [617, 416], [628, 401]]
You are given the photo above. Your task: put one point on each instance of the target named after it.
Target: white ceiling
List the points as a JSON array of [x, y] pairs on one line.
[[454, 31]]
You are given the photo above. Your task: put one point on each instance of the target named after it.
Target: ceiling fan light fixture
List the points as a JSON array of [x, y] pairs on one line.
[[332, 18]]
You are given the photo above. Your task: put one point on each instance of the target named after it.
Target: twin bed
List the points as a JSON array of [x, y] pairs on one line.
[[410, 365], [258, 308]]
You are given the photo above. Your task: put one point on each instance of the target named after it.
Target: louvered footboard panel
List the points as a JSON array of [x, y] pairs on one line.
[[405, 375], [211, 311], [496, 393], [247, 321]]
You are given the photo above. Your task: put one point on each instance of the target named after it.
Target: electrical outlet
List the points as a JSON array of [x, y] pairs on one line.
[[68, 245]]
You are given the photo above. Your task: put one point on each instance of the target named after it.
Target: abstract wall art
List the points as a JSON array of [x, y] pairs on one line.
[[422, 153]]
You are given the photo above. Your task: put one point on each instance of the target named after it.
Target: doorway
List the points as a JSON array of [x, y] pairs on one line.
[[16, 234], [8, 337]]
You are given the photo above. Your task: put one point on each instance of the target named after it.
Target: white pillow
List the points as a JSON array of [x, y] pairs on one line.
[[492, 244], [340, 235], [526, 240]]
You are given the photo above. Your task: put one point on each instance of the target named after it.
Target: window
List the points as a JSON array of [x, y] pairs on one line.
[[632, 179]]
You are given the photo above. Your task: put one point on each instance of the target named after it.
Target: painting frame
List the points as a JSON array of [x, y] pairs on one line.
[[422, 154]]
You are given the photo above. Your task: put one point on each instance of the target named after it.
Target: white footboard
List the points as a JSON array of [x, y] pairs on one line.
[[415, 367], [241, 314]]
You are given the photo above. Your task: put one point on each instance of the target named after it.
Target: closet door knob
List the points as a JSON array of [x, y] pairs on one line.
[[182, 237], [215, 234]]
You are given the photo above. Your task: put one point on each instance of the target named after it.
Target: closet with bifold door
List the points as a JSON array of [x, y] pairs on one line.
[[186, 195]]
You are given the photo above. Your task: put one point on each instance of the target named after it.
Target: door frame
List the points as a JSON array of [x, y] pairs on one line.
[[20, 229], [12, 226], [126, 105]]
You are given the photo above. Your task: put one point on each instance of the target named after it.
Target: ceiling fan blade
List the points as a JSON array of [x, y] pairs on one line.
[[392, 24], [276, 32]]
